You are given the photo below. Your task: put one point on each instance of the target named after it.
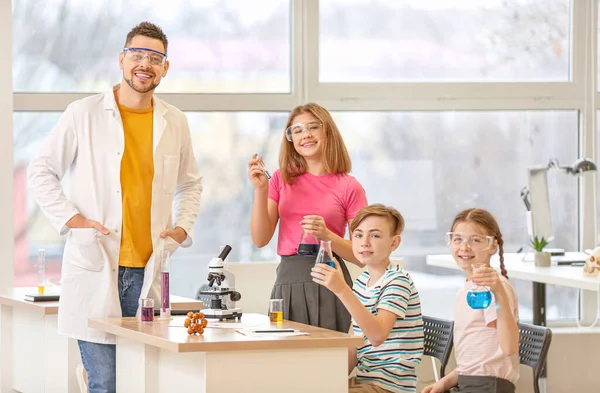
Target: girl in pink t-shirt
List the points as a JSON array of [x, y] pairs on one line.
[[486, 341], [313, 193]]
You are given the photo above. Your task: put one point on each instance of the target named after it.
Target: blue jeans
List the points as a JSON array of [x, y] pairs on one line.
[[100, 360]]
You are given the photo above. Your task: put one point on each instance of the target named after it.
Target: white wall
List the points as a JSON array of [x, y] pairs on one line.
[[255, 281], [6, 148]]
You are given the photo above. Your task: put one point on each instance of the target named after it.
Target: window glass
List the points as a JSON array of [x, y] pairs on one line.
[[444, 40], [225, 46]]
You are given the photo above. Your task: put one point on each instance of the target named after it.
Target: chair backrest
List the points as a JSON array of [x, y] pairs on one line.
[[534, 342], [438, 340]]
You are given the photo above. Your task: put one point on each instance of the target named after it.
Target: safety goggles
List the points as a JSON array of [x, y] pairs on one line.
[[137, 55], [296, 131], [473, 241]]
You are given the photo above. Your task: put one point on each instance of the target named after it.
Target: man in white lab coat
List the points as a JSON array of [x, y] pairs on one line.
[[134, 191]]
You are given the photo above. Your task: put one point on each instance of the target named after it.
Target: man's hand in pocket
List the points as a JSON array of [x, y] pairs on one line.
[[79, 221], [177, 234]]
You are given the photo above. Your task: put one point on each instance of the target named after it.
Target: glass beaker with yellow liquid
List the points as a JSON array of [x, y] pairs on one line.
[[276, 310]]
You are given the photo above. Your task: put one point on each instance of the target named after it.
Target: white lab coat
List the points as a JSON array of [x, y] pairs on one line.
[[89, 141]]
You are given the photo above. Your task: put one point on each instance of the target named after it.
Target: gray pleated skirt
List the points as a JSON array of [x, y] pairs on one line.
[[481, 384], [305, 301]]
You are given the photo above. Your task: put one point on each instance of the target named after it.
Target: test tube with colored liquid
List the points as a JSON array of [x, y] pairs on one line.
[[165, 301], [41, 267], [261, 163]]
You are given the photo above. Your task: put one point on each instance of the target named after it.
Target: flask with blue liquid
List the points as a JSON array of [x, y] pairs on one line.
[[479, 297], [325, 255]]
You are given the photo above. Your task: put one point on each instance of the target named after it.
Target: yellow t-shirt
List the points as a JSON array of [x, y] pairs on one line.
[[137, 172]]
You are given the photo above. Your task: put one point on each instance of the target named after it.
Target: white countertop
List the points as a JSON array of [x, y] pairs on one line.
[[564, 275]]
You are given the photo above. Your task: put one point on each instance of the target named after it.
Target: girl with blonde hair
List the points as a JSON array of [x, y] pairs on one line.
[[311, 192]]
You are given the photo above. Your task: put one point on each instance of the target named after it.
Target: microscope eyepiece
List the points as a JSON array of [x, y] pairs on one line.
[[225, 252]]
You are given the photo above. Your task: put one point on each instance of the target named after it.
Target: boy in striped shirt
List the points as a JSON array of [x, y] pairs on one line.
[[384, 305]]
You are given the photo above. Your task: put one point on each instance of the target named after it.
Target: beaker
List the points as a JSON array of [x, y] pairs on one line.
[[147, 306], [276, 310]]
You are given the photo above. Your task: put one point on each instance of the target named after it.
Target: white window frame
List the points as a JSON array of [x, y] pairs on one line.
[[578, 94], [6, 152], [448, 95]]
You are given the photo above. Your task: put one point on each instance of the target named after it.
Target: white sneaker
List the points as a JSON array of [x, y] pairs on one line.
[[81, 378]]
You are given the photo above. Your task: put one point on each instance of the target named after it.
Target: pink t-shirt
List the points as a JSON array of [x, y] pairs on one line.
[[476, 346], [335, 197]]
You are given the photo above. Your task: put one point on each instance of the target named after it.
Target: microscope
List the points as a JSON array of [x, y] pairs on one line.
[[220, 291]]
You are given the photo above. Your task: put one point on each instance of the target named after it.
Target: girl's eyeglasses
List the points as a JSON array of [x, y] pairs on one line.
[[473, 241], [296, 131]]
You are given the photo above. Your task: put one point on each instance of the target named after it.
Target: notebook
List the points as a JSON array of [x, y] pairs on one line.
[[46, 297]]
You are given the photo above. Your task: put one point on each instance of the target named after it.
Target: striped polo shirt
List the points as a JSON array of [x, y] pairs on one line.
[[392, 364]]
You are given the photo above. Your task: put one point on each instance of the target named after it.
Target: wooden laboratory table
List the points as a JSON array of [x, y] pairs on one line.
[[162, 357], [33, 356]]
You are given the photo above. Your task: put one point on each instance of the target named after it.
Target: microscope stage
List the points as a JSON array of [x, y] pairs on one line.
[[211, 313]]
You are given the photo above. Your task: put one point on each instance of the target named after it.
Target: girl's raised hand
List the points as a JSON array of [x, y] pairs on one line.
[[256, 173], [487, 277]]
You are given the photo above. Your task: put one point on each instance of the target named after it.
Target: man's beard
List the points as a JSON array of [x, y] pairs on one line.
[[143, 90]]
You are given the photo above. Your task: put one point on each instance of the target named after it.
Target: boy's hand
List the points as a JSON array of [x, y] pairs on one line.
[[329, 277], [435, 388]]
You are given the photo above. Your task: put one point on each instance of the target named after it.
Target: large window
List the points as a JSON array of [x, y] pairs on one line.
[[229, 46], [444, 41], [428, 165], [443, 105]]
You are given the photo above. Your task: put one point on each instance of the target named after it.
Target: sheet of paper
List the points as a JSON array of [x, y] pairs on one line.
[[177, 321], [232, 325], [253, 333]]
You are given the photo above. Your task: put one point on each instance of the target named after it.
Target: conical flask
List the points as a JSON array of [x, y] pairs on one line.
[[479, 297], [325, 255], [309, 245]]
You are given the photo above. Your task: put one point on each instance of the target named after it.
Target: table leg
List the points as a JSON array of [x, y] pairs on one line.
[[138, 368], [30, 357], [539, 304], [6, 348], [588, 307], [42, 360], [539, 309]]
